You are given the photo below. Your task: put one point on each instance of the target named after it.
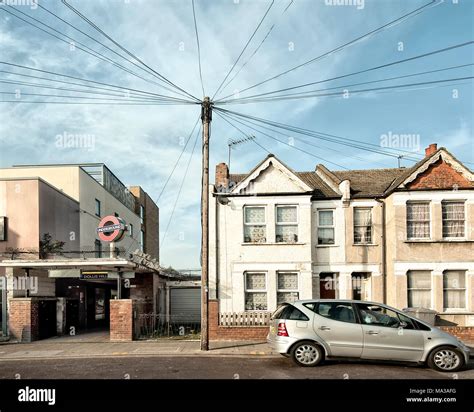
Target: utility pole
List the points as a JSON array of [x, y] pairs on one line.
[[206, 117]]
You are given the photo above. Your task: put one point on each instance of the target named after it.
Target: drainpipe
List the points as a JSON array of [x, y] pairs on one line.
[[384, 251]]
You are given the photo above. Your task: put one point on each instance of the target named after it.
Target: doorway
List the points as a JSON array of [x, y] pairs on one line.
[[361, 286], [328, 285], [87, 303]]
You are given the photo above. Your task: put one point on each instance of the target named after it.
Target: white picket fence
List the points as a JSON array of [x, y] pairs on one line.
[[244, 319]]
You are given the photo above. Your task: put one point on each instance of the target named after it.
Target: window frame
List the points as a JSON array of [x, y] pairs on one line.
[[297, 290], [246, 290], [98, 250], [142, 213], [98, 207], [415, 202], [130, 227], [333, 226], [245, 224], [142, 240], [443, 220], [430, 289], [371, 242], [296, 223], [465, 289]]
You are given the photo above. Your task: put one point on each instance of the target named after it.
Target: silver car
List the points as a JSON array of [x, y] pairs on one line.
[[312, 330]]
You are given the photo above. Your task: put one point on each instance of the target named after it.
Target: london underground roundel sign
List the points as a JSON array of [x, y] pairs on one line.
[[111, 229]]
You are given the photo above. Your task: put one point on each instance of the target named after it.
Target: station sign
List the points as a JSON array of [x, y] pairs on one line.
[[93, 275], [111, 229]]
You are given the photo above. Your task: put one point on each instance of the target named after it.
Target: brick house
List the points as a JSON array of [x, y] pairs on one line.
[[402, 236]]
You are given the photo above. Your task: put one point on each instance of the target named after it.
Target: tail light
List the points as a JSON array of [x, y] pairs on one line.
[[282, 329]]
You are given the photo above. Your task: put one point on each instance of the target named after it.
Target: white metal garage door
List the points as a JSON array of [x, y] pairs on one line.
[[185, 304]]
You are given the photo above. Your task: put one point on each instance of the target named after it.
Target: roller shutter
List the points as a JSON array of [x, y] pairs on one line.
[[185, 304]]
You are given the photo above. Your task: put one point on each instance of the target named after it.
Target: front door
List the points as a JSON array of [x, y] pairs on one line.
[[336, 323], [327, 286], [389, 335]]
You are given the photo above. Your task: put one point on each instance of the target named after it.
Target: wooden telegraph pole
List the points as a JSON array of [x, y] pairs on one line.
[[206, 117]]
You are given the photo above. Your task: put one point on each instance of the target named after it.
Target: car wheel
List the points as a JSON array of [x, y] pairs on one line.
[[306, 353], [446, 359]]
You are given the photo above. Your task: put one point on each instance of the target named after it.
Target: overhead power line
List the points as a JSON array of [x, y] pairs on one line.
[[285, 143], [243, 50], [371, 33], [249, 124], [78, 45], [124, 97], [126, 89], [180, 188], [199, 50], [445, 49], [177, 161], [110, 49], [92, 24], [257, 49], [347, 92], [353, 143]]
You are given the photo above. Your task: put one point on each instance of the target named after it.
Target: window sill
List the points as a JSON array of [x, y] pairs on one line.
[[323, 246], [364, 244], [451, 240], [456, 312], [273, 244]]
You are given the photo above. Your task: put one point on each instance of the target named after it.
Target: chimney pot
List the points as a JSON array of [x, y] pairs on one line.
[[431, 149]]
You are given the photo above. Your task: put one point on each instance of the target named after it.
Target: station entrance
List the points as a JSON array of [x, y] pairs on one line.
[[87, 303]]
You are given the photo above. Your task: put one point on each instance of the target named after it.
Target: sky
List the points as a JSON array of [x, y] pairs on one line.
[[141, 144]]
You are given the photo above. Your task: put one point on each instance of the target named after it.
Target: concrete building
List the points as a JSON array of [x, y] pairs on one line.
[[403, 236], [67, 203]]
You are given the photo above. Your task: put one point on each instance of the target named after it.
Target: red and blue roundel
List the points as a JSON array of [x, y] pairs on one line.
[[111, 229]]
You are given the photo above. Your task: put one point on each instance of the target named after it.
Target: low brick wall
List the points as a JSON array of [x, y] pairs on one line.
[[244, 333], [465, 333], [23, 319], [121, 320]]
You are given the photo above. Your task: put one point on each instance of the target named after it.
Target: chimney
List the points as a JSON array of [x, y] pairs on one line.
[[431, 149], [222, 175]]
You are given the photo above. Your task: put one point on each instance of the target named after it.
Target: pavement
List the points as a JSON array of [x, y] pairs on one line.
[[97, 344], [59, 349]]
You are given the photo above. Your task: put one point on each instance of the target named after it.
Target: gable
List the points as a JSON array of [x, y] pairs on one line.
[[271, 176], [440, 175]]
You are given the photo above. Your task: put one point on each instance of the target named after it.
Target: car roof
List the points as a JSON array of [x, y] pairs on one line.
[[339, 300]]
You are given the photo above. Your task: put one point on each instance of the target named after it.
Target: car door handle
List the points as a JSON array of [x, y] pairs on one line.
[[325, 328], [372, 332]]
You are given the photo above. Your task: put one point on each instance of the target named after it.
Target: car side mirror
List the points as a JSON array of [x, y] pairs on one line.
[[403, 324]]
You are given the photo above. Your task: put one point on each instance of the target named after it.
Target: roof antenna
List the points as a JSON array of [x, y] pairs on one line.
[[235, 142], [399, 158]]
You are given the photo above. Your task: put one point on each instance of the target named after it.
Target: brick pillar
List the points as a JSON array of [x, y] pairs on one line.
[[121, 320], [213, 319], [23, 319]]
